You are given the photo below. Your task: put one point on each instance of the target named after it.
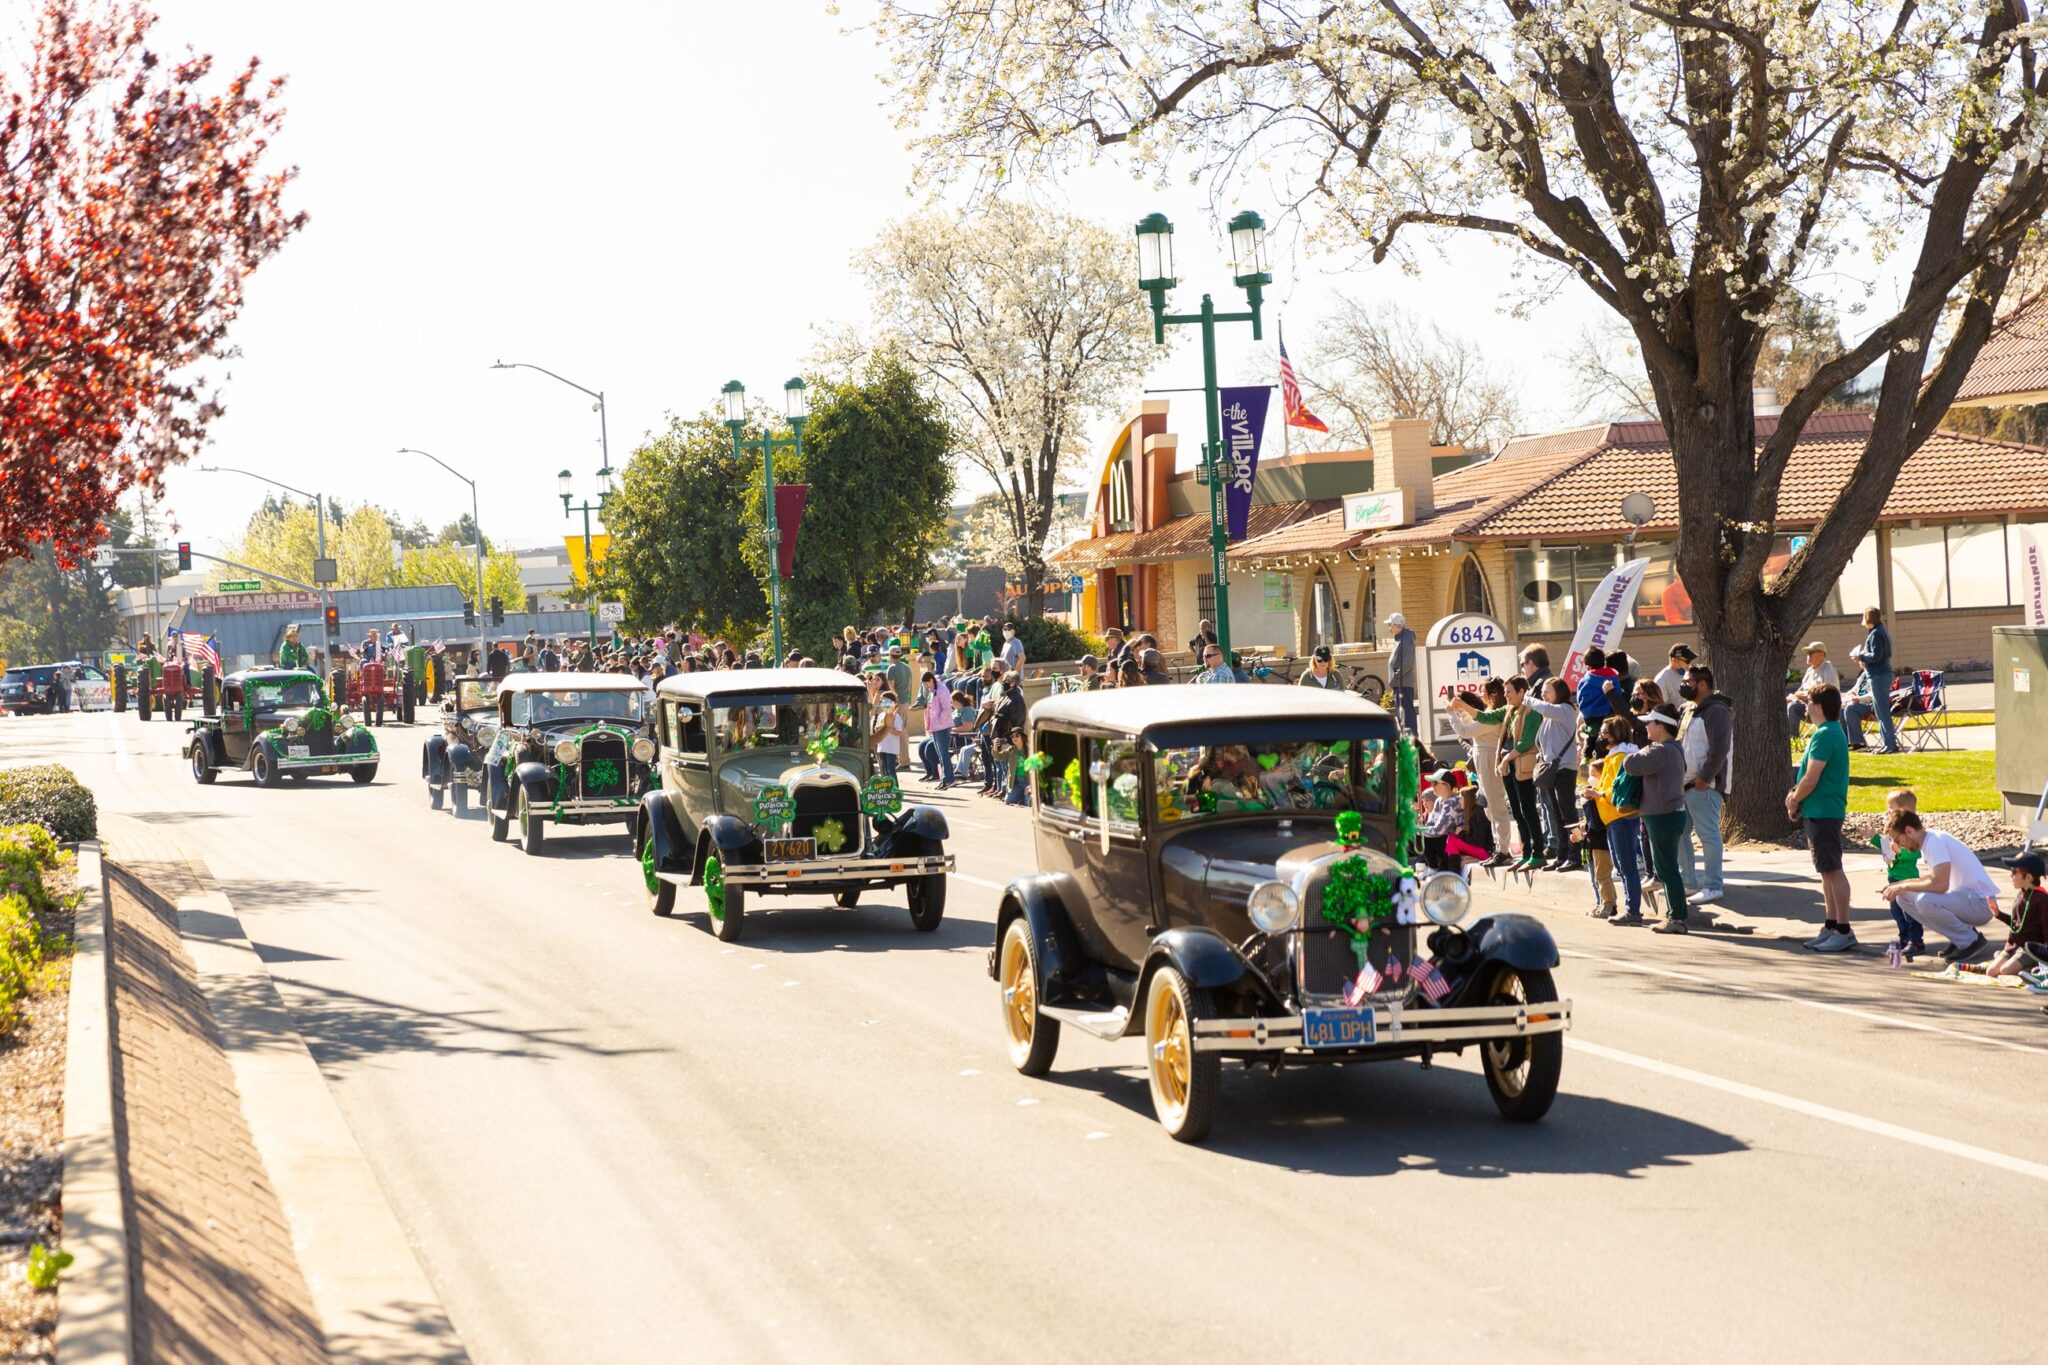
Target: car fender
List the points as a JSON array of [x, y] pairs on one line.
[[657, 819], [1518, 941], [461, 756], [434, 758], [918, 832], [1208, 961], [500, 787], [534, 777], [1041, 900], [202, 737], [734, 840], [925, 822]]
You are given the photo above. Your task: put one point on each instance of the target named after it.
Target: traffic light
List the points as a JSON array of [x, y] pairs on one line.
[[468, 612], [333, 622], [497, 611], [184, 556]]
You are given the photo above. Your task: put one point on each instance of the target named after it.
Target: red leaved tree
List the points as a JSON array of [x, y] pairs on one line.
[[136, 198]]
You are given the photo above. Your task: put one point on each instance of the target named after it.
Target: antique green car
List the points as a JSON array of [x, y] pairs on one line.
[[569, 749], [767, 790], [278, 723]]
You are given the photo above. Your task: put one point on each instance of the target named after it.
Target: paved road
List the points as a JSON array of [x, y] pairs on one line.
[[613, 1138]]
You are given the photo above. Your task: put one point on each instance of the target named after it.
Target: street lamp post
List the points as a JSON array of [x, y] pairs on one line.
[[603, 437], [604, 496], [796, 408], [319, 531], [476, 525], [1155, 277]]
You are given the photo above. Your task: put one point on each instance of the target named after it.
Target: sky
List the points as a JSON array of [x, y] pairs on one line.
[[648, 199]]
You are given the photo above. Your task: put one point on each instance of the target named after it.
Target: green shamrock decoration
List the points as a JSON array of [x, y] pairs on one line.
[[714, 886], [1035, 763], [831, 835], [1269, 761], [603, 773], [1358, 900], [822, 744]]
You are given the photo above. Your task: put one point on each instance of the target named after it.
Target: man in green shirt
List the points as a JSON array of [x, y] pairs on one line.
[[1819, 802], [291, 654]]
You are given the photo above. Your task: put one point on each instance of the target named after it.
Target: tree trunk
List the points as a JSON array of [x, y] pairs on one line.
[[1034, 589], [1752, 674]]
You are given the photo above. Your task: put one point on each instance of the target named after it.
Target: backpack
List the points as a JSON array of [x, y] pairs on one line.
[[1627, 797]]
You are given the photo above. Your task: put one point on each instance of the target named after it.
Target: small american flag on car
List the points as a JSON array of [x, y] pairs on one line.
[[1393, 972], [1367, 983], [1430, 979]]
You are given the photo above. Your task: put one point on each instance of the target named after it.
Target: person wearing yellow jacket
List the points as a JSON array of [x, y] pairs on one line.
[[1615, 742]]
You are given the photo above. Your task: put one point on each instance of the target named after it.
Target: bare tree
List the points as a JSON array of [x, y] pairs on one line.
[[1376, 361], [1027, 323]]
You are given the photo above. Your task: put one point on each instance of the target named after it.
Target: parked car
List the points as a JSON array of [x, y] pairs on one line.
[[279, 723], [32, 688], [570, 749], [453, 761], [768, 789], [1218, 872]]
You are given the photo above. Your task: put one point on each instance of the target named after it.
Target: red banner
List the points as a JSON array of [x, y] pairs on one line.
[[789, 513]]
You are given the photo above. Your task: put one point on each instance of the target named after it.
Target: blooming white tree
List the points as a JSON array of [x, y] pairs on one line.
[[1688, 161], [1374, 361], [1026, 323]]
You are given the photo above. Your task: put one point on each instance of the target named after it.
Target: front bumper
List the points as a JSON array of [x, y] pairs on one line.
[[594, 810], [838, 870], [328, 761], [1395, 1026]]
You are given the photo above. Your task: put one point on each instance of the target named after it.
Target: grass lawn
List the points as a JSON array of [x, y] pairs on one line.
[[1942, 781]]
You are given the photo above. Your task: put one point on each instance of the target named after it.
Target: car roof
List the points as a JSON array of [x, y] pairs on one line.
[[570, 682], [1133, 710], [272, 675], [710, 686]]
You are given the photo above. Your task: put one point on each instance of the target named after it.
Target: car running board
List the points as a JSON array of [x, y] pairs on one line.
[[1105, 1024]]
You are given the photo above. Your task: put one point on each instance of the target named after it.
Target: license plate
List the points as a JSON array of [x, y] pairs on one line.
[[791, 850], [299, 750], [1337, 1026]]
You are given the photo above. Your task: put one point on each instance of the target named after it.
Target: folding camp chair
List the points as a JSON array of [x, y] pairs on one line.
[[1924, 723]]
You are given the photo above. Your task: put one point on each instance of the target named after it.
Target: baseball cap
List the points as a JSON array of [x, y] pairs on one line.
[[1321, 654], [1090, 661], [1816, 647], [1683, 652], [895, 649], [1397, 619], [2032, 863]]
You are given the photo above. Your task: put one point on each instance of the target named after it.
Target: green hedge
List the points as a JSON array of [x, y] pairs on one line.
[[48, 795], [28, 855], [1048, 641]]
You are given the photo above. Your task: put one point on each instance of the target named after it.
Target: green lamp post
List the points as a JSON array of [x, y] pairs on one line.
[[604, 496], [796, 409], [1155, 277]]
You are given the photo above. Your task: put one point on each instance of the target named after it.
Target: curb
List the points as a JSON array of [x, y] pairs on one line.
[[93, 1323], [373, 1299]]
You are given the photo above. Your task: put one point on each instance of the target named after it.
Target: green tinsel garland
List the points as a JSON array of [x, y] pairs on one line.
[[1358, 900], [1074, 786], [1407, 788], [714, 886], [822, 744]]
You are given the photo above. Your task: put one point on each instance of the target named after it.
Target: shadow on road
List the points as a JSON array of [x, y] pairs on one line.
[[1386, 1117], [874, 926]]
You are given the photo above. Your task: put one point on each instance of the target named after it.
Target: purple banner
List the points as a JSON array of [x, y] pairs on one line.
[[1244, 426]]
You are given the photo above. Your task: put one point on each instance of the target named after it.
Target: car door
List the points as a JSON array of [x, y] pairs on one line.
[[685, 761], [1116, 868], [234, 735]]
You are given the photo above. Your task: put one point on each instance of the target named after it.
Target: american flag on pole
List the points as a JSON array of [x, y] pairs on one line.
[[1290, 394], [1393, 972], [1430, 979], [203, 650]]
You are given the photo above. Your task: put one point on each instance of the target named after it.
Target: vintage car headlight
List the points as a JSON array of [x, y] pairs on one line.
[[565, 751], [1273, 906], [1446, 898], [643, 749]]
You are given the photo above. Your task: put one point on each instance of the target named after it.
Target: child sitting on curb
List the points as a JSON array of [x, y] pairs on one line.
[[1901, 864], [2028, 919]]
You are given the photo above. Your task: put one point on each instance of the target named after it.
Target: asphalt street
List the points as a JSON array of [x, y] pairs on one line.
[[613, 1138]]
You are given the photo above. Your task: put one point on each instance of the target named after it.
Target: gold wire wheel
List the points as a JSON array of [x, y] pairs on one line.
[[1020, 994], [1168, 1049]]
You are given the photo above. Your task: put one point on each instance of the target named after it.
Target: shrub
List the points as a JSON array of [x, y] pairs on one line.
[[27, 855], [1049, 641], [48, 795]]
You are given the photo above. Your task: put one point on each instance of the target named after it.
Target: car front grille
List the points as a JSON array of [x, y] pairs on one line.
[[1325, 964], [606, 775], [818, 802]]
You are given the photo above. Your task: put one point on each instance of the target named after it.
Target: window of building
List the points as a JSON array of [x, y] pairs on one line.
[[1205, 596], [1369, 610], [1279, 591], [1327, 626], [1919, 569], [1546, 599], [1469, 591], [1976, 565]]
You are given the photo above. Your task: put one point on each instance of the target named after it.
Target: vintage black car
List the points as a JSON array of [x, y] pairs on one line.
[[571, 749], [767, 787], [1216, 875], [278, 723], [453, 761]]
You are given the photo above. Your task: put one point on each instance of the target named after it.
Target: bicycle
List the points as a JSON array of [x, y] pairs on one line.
[[1371, 686]]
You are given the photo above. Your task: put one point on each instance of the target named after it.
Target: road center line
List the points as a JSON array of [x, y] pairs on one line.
[[978, 881], [1876, 1127], [1869, 1016]]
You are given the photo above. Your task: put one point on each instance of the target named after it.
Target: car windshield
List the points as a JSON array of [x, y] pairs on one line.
[[34, 675], [791, 722], [1204, 781], [477, 696], [540, 708], [281, 696]]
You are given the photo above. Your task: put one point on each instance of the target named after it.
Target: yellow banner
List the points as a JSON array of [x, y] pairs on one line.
[[600, 545]]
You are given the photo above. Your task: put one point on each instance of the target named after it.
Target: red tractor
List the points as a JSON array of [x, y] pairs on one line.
[[167, 689], [375, 689]]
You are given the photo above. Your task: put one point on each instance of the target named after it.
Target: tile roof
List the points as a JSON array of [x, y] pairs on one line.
[[2014, 360], [1177, 539], [1570, 485]]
